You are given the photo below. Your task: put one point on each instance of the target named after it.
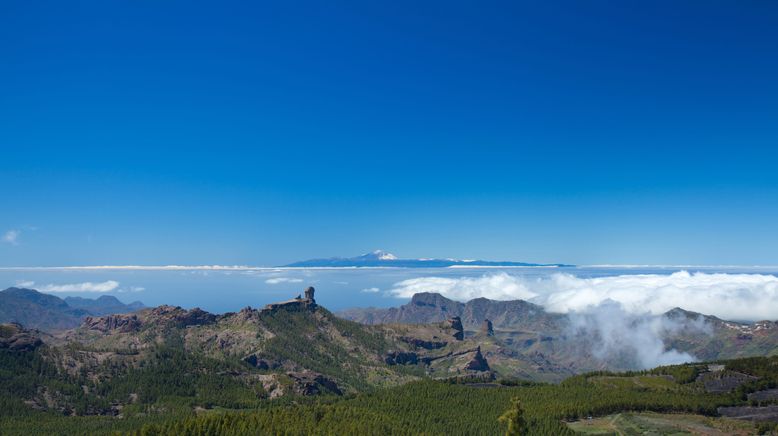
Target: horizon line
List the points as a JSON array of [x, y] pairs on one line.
[[259, 268]]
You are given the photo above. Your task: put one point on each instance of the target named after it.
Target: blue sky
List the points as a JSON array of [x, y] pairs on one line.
[[263, 133]]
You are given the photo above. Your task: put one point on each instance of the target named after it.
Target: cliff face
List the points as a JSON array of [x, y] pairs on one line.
[[430, 307]]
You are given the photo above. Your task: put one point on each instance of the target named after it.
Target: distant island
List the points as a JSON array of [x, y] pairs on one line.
[[381, 258]]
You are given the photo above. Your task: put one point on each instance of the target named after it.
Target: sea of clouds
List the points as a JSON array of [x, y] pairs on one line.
[[750, 297]]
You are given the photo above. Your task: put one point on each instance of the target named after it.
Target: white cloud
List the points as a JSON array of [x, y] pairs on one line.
[[12, 237], [25, 283], [277, 280], [500, 286], [106, 286], [729, 296], [371, 290], [626, 339]]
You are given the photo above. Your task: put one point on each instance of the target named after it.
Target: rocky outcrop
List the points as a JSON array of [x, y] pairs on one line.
[[106, 324], [14, 337], [309, 291], [487, 328], [312, 383], [297, 304], [421, 343], [182, 317], [455, 323], [260, 363], [401, 358], [478, 362]]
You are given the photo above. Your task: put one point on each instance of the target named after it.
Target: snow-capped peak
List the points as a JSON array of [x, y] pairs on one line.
[[381, 255]]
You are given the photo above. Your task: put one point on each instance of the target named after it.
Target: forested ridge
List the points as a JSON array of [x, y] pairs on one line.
[[186, 403]]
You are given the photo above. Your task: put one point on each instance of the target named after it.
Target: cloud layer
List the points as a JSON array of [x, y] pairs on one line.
[[106, 286], [500, 286], [278, 280], [629, 340], [729, 296]]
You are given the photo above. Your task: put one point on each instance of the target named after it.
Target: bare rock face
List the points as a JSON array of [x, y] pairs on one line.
[[296, 304], [487, 328], [456, 324], [247, 314], [106, 324], [14, 337], [182, 317], [421, 343], [312, 383], [401, 358], [260, 363], [309, 291], [478, 362]]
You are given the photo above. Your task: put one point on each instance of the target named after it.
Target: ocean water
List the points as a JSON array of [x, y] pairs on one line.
[[221, 291]]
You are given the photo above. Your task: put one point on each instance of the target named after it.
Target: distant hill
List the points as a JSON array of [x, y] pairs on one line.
[[428, 307], [103, 305], [46, 312], [380, 258]]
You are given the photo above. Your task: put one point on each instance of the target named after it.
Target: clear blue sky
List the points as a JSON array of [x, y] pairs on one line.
[[160, 132]]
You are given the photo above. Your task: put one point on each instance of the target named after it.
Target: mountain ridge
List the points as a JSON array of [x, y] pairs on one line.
[[379, 258], [38, 310], [526, 331]]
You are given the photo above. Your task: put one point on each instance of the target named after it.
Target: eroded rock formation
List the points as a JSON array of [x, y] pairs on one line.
[[312, 383], [105, 324], [14, 337], [487, 328], [478, 362], [456, 324]]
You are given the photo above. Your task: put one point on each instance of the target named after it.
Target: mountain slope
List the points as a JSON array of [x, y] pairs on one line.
[[34, 309], [292, 347], [50, 313], [103, 305]]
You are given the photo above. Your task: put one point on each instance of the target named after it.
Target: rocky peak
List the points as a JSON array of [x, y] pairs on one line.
[[246, 314], [455, 323], [478, 362], [182, 317], [105, 324], [297, 303], [487, 328], [309, 291], [435, 300]]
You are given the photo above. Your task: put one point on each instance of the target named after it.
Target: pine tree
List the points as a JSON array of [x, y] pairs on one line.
[[514, 417]]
